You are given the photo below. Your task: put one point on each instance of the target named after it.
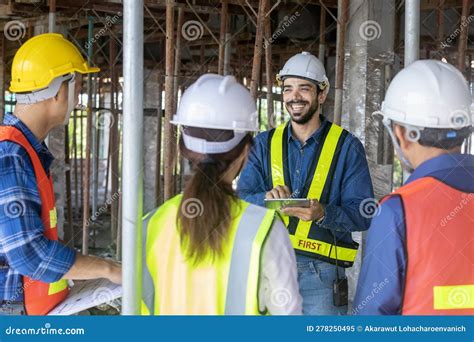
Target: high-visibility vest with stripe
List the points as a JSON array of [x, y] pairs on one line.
[[439, 246], [40, 297], [307, 238], [227, 285]]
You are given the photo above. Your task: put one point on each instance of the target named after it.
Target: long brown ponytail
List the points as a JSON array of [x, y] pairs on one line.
[[205, 214]]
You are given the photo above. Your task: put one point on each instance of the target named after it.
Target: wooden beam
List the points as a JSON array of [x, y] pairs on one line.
[[169, 130]]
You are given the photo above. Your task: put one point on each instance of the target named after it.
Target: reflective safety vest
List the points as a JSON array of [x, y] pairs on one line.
[[439, 248], [40, 297], [227, 285], [307, 238]]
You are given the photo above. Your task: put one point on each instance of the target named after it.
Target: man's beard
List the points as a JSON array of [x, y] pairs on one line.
[[304, 117]]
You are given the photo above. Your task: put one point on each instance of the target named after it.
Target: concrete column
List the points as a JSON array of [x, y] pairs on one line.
[[152, 110], [369, 49]]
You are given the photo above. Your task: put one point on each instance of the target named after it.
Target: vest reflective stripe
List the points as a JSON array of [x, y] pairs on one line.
[[447, 297], [320, 182], [40, 297], [148, 291], [238, 287], [323, 248], [237, 302], [321, 174], [57, 287], [276, 153]]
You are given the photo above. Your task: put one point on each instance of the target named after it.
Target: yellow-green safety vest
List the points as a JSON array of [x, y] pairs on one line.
[[227, 285], [306, 237]]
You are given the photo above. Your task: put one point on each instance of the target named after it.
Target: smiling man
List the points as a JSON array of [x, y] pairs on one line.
[[310, 157]]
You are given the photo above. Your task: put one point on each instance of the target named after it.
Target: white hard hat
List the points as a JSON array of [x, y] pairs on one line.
[[216, 102], [431, 94], [305, 65]]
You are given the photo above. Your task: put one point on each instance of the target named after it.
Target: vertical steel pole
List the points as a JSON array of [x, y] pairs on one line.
[[52, 16], [114, 140], [159, 183], [269, 72], [257, 56], [412, 31], [132, 185], [90, 124], [227, 52], [440, 21], [412, 40], [322, 34], [462, 44], [343, 17], [51, 29], [169, 130], [222, 38]]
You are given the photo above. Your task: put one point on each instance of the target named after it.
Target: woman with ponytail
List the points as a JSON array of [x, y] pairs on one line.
[[206, 252]]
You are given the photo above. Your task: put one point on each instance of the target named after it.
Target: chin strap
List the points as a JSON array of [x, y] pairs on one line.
[[409, 134], [70, 98]]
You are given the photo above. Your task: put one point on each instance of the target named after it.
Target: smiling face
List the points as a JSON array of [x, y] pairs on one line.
[[302, 99]]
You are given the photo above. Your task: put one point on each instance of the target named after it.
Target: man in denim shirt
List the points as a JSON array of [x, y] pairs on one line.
[[317, 157]]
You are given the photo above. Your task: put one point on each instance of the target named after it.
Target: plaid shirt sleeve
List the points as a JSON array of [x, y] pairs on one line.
[[22, 242]]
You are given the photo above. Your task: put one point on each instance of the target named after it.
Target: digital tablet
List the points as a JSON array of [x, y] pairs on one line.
[[287, 202]]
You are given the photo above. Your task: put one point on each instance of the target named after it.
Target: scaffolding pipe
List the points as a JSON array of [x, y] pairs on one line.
[[169, 131], [271, 120], [322, 35], [158, 181], [177, 57], [132, 169], [202, 59], [52, 16], [114, 141], [412, 41], [87, 171], [75, 167], [412, 31], [227, 51], [69, 232], [223, 36], [94, 149], [440, 21], [462, 44], [343, 17], [257, 57], [51, 29], [177, 65]]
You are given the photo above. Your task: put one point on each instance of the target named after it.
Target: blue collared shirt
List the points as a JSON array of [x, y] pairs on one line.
[[24, 250], [350, 186], [385, 264]]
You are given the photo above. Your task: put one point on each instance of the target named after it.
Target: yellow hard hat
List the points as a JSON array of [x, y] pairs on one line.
[[42, 59]]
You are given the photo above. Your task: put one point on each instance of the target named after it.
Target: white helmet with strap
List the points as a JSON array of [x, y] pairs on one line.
[[307, 66], [427, 95], [216, 102]]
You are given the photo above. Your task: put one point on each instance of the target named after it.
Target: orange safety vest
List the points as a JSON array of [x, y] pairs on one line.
[[439, 248], [40, 297]]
